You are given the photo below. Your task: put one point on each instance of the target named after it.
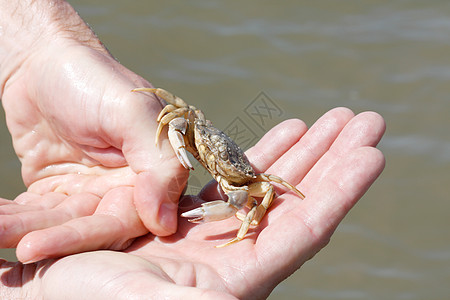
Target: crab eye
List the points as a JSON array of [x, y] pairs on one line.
[[223, 155]]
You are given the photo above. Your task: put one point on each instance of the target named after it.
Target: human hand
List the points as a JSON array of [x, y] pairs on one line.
[[333, 163], [94, 177]]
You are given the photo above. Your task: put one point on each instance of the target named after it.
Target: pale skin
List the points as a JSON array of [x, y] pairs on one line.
[[86, 142], [88, 157]]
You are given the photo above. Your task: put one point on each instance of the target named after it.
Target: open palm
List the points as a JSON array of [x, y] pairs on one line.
[[334, 163]]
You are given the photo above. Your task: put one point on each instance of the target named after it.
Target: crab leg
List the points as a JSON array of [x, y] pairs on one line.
[[270, 177], [218, 210], [164, 120], [211, 211], [244, 226], [259, 189], [167, 96], [263, 188], [166, 109], [177, 130]]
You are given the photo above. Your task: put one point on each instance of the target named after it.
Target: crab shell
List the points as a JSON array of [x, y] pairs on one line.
[[221, 156]]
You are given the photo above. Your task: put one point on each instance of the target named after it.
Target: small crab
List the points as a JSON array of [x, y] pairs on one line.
[[225, 161]]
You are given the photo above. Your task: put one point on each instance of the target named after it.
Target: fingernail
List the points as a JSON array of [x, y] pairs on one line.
[[24, 253], [30, 261], [168, 216]]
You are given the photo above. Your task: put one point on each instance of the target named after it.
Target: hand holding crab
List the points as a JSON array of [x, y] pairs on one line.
[[88, 157], [336, 162]]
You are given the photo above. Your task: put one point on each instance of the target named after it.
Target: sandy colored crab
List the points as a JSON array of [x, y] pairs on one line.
[[225, 161]]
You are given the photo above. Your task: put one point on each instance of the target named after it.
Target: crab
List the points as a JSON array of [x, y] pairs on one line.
[[224, 160]]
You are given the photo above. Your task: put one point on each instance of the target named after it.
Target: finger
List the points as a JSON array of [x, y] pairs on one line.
[[114, 224], [301, 157], [275, 143], [304, 229], [355, 143], [31, 202], [37, 200], [5, 201], [156, 198], [14, 208], [15, 226], [334, 184], [97, 180], [161, 178], [136, 134], [345, 184], [365, 129]]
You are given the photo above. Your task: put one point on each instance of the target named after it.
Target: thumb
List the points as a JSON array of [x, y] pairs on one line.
[[160, 176], [156, 198]]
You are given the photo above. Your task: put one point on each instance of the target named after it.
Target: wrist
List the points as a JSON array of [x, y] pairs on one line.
[[27, 27]]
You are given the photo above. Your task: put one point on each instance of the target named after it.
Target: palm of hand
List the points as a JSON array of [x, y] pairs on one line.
[[336, 165]]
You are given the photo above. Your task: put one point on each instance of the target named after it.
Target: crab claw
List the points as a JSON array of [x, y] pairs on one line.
[[177, 128], [211, 211]]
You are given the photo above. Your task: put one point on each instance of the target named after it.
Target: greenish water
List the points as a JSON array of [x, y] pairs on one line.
[[302, 58]]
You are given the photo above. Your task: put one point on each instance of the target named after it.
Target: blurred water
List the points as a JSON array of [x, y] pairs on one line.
[[307, 57]]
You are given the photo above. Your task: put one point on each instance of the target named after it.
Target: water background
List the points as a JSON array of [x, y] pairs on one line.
[[299, 59]]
